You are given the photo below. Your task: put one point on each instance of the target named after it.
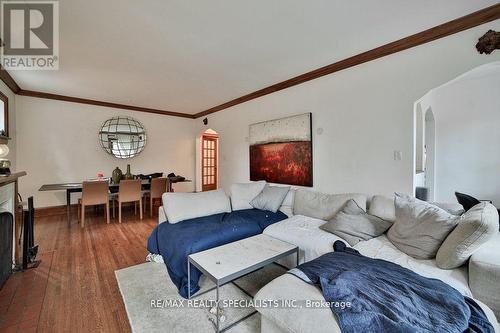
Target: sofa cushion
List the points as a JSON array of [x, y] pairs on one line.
[[476, 227], [243, 193], [270, 198], [383, 207], [321, 205], [304, 232], [162, 217], [420, 228], [307, 320], [353, 224], [182, 206], [484, 274], [287, 205], [382, 248]]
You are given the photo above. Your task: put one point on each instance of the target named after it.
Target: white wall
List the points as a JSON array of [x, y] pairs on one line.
[[58, 142], [366, 113], [12, 124], [467, 120]]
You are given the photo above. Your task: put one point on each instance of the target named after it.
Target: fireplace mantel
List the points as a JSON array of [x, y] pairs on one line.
[[9, 202], [11, 178]]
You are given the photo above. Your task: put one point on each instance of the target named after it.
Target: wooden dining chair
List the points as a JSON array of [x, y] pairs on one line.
[[93, 193], [128, 191], [158, 187]]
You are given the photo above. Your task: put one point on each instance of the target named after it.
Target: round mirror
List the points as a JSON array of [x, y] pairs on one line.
[[122, 137]]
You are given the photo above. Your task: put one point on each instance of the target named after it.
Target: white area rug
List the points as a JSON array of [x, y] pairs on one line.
[[144, 283]]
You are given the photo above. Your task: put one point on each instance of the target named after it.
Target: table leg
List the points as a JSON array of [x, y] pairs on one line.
[[298, 257], [189, 280], [217, 307], [68, 206]]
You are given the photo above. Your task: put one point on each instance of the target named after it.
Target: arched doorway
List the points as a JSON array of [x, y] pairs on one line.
[[424, 151], [207, 152]]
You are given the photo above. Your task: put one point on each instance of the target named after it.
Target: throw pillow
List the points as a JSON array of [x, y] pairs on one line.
[[243, 193], [270, 198], [420, 227], [466, 200], [477, 226], [353, 224]]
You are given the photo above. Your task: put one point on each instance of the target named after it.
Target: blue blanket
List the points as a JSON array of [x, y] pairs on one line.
[[176, 241], [385, 297]]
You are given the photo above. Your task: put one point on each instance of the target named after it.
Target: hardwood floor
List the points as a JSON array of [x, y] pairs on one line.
[[81, 292]]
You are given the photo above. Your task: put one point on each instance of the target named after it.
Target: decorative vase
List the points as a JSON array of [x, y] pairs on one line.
[[128, 175], [116, 175]]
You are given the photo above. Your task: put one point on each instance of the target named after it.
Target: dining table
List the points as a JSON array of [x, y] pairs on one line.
[[113, 188]]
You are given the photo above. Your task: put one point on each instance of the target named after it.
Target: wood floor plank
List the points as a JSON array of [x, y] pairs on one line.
[[82, 294]]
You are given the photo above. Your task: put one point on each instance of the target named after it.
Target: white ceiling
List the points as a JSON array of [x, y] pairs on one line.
[[188, 56]]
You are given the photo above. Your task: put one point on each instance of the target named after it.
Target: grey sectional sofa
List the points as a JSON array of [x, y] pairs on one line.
[[480, 278]]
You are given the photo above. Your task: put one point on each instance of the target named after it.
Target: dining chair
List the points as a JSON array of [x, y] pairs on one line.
[[158, 187], [93, 193], [128, 191]]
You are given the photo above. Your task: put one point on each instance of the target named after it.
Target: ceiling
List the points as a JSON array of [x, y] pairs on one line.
[[188, 56]]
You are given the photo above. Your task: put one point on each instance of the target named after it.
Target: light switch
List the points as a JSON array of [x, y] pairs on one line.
[[398, 155]]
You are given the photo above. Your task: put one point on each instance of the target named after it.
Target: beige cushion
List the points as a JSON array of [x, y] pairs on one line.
[[243, 193], [476, 227], [353, 224], [183, 206], [287, 205], [484, 274], [420, 227], [383, 207], [323, 206]]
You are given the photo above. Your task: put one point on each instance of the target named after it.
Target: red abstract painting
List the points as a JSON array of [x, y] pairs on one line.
[[283, 163]]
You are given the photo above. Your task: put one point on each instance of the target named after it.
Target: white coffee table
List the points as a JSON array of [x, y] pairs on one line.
[[228, 262]]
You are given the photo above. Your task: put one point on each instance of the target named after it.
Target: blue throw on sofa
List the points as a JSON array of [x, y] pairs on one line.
[[386, 297], [174, 242]]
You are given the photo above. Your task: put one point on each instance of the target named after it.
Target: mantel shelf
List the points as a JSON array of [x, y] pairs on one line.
[[12, 177]]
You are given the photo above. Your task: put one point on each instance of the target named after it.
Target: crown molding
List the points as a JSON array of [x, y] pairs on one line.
[[469, 21], [449, 28], [79, 100], [9, 81]]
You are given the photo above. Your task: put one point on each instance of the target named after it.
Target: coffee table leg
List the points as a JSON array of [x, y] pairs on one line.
[[298, 257], [189, 280], [217, 307]]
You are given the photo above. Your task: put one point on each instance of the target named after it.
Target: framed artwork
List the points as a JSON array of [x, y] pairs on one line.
[[281, 151]]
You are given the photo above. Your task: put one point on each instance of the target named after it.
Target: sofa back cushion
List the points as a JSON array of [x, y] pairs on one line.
[[383, 207], [183, 206], [476, 227], [243, 193], [323, 206], [420, 227], [287, 205]]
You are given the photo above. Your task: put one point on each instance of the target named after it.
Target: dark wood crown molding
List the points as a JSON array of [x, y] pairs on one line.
[[452, 27], [9, 81], [38, 94]]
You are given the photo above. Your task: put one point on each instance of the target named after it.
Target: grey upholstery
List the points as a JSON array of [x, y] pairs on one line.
[[477, 226], [297, 320], [321, 205], [484, 274]]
